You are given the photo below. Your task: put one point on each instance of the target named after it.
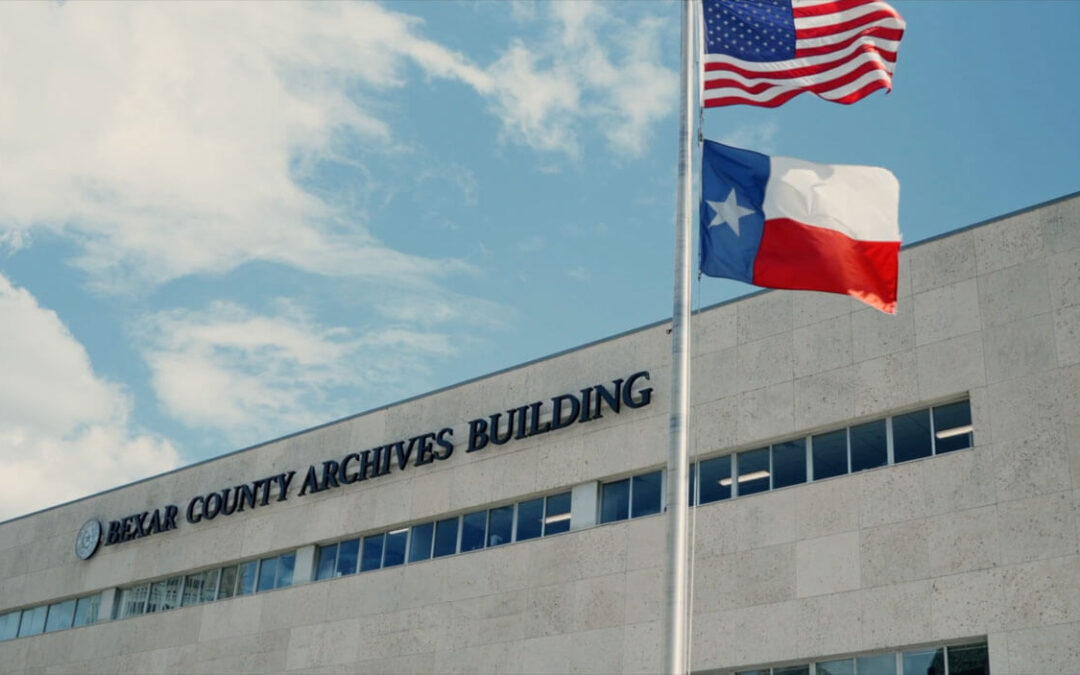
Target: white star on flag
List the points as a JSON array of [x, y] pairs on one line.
[[728, 211]]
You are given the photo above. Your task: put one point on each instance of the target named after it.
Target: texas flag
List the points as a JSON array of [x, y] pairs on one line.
[[780, 222]]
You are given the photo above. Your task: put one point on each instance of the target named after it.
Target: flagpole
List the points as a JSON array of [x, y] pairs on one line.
[[678, 428]]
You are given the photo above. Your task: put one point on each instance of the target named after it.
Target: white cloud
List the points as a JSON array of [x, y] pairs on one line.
[[165, 136], [761, 137], [64, 432], [253, 376]]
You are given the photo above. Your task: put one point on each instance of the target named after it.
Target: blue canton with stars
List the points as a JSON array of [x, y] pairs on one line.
[[751, 30]]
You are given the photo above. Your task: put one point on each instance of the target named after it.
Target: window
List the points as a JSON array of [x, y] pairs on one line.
[[394, 554], [327, 561], [830, 454], [557, 514], [420, 541], [347, 554], [500, 525], [969, 659], [633, 497], [372, 554], [530, 519], [228, 582], [754, 474], [715, 479], [952, 427], [615, 501], [61, 615], [33, 620], [446, 537], [869, 446], [200, 588], [9, 625], [132, 601], [789, 463], [473, 530], [86, 610]]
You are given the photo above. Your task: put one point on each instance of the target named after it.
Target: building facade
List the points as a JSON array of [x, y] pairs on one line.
[[873, 494]]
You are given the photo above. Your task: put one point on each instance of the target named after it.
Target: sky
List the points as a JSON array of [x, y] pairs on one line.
[[224, 223]]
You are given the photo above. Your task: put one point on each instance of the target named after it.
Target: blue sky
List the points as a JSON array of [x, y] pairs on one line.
[[222, 223]]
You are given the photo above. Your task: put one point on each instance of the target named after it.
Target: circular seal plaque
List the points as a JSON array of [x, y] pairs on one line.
[[86, 542]]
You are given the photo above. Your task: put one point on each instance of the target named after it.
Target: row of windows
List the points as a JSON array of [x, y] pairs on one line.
[[900, 438], [244, 578], [529, 519], [969, 659], [47, 618]]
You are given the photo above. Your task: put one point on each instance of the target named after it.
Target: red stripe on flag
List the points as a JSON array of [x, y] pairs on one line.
[[825, 31], [802, 257], [804, 11], [891, 34], [801, 71]]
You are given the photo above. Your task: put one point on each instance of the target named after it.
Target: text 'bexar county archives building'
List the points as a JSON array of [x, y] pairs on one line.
[[873, 495]]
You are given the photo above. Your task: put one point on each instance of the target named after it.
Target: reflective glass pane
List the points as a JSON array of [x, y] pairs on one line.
[[911, 435], [645, 494], [86, 610], [420, 541], [371, 559], [61, 614], [878, 664], [193, 586], [839, 667], [394, 551], [557, 516], [446, 535], [530, 519], [245, 583], [500, 525], [473, 530], [9, 625], [789, 463], [267, 570], [326, 562], [715, 479], [157, 594], [792, 670], [33, 620], [228, 582], [969, 660], [170, 599], [925, 662], [754, 471], [753, 672], [692, 474], [869, 447], [615, 501], [347, 553], [952, 426], [285, 567], [830, 454]]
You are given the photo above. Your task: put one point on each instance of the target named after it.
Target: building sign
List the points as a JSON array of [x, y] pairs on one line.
[[497, 429]]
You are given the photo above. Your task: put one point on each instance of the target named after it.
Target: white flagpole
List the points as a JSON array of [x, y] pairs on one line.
[[678, 427]]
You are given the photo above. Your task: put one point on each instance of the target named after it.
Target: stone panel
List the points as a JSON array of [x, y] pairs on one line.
[[895, 615], [1067, 335], [885, 384], [765, 362], [946, 312], [822, 346], [1063, 270], [764, 314], [962, 541], [1040, 527], [1041, 593], [950, 367], [891, 554], [967, 604], [1020, 348], [766, 413], [1046, 649], [942, 262], [876, 334], [1008, 242], [827, 565], [1014, 293], [824, 399]]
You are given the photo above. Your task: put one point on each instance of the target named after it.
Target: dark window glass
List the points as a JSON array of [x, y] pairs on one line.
[[925, 662], [327, 561], [530, 519], [839, 667], [193, 588], [395, 547], [792, 670], [789, 463], [500, 525], [267, 570], [372, 555], [646, 494], [420, 541], [557, 516], [86, 610], [968, 659], [715, 479], [830, 454], [692, 496], [473, 530], [348, 552], [33, 621], [615, 501], [61, 614], [446, 532], [911, 435], [952, 427], [228, 582], [869, 446], [170, 599], [753, 469], [245, 583], [285, 567], [878, 664], [9, 625]]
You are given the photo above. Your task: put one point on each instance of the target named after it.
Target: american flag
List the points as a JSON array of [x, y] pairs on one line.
[[764, 52]]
